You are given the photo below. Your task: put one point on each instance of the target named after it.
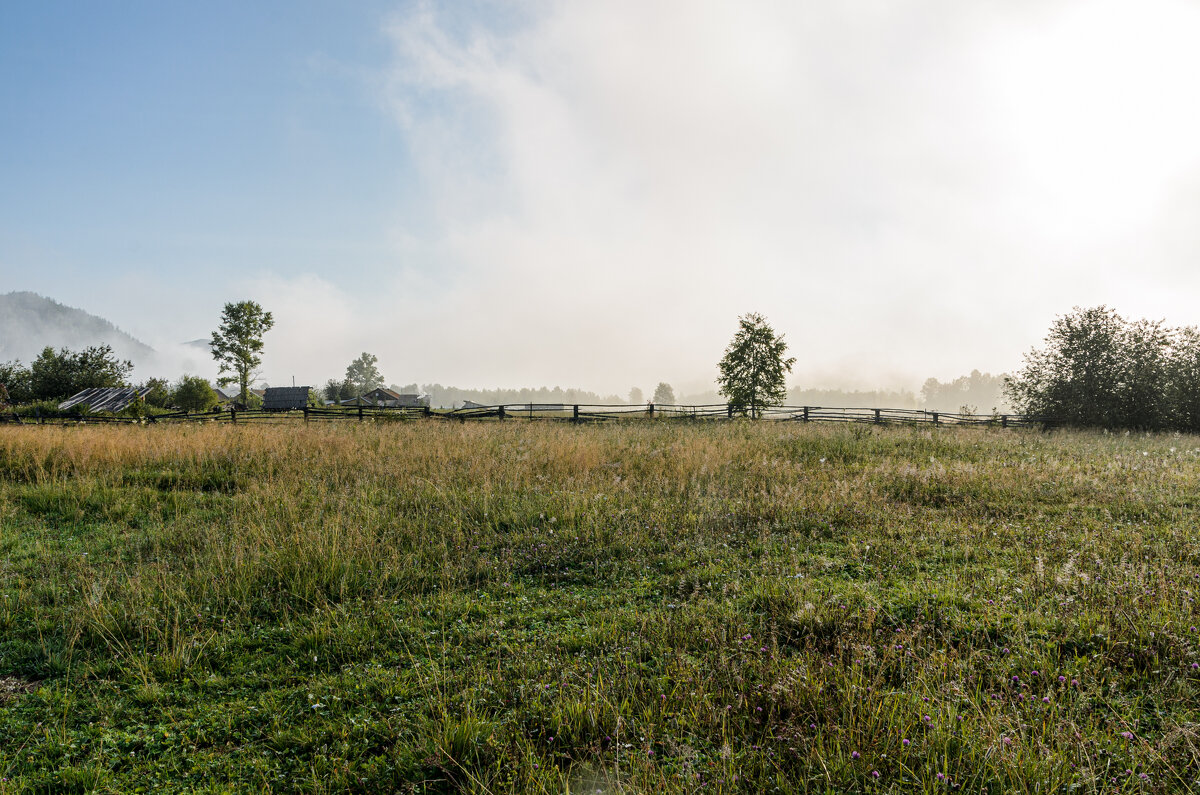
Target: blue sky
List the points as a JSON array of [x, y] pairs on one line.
[[589, 194], [179, 142]]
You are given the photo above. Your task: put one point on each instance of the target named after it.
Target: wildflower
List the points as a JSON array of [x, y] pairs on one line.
[[1074, 683], [1127, 735], [874, 774], [1034, 672], [1045, 699], [1061, 679], [926, 718], [906, 742], [854, 754], [941, 776]]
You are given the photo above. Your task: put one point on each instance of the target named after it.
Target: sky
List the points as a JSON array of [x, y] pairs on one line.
[[589, 195]]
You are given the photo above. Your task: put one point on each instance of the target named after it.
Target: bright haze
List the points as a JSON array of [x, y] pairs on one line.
[[589, 194]]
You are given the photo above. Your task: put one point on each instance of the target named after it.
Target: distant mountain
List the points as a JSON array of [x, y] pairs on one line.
[[29, 322]]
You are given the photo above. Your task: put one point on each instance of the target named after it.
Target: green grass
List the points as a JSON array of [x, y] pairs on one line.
[[742, 607]]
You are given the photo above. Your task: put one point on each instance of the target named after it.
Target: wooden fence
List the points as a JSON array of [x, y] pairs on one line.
[[552, 412]]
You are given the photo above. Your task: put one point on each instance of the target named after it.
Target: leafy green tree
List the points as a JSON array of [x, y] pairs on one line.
[[338, 390], [62, 373], [363, 375], [1099, 370], [237, 345], [331, 389], [753, 367], [1183, 380], [159, 395], [664, 395], [193, 393], [14, 377]]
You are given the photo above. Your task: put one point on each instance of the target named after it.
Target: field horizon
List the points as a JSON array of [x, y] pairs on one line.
[[733, 607]]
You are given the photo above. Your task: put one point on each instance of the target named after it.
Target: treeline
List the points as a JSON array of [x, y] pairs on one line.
[[1100, 370], [61, 373], [57, 374], [977, 393]]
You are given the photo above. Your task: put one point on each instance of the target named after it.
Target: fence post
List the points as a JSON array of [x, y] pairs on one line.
[[806, 413], [306, 415], [877, 420], [935, 418], [428, 411], [360, 412], [500, 413], [575, 413], [729, 407], [650, 409], [1003, 420], [233, 416]]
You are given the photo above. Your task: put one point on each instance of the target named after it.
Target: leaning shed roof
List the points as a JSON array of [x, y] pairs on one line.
[[104, 398], [285, 397]]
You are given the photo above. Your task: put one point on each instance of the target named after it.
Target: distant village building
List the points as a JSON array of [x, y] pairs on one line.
[[225, 394], [386, 398]]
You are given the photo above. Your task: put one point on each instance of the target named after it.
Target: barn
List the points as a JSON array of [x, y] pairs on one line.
[[285, 398]]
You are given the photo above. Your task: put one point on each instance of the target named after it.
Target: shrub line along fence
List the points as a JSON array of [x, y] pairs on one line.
[[554, 412]]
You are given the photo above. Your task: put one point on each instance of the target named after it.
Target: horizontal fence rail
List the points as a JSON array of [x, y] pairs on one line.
[[549, 412]]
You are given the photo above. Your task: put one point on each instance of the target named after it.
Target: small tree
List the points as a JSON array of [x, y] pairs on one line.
[[159, 395], [14, 377], [237, 345], [664, 395], [192, 393], [636, 397], [363, 374], [753, 367]]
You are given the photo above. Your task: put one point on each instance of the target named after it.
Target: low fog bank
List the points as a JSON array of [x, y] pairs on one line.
[[977, 393]]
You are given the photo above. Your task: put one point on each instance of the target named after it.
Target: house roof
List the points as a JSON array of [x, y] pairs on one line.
[[104, 398], [384, 392]]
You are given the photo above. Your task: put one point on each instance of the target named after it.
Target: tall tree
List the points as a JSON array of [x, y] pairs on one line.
[[664, 395], [635, 396], [237, 344], [753, 367], [363, 374]]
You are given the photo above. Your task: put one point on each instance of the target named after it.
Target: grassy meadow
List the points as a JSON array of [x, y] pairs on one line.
[[637, 607]]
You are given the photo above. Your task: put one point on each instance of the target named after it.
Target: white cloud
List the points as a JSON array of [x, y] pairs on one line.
[[903, 189]]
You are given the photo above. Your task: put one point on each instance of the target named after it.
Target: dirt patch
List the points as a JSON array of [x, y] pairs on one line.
[[13, 686]]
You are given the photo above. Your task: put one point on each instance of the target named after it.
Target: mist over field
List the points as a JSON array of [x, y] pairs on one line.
[[589, 195]]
